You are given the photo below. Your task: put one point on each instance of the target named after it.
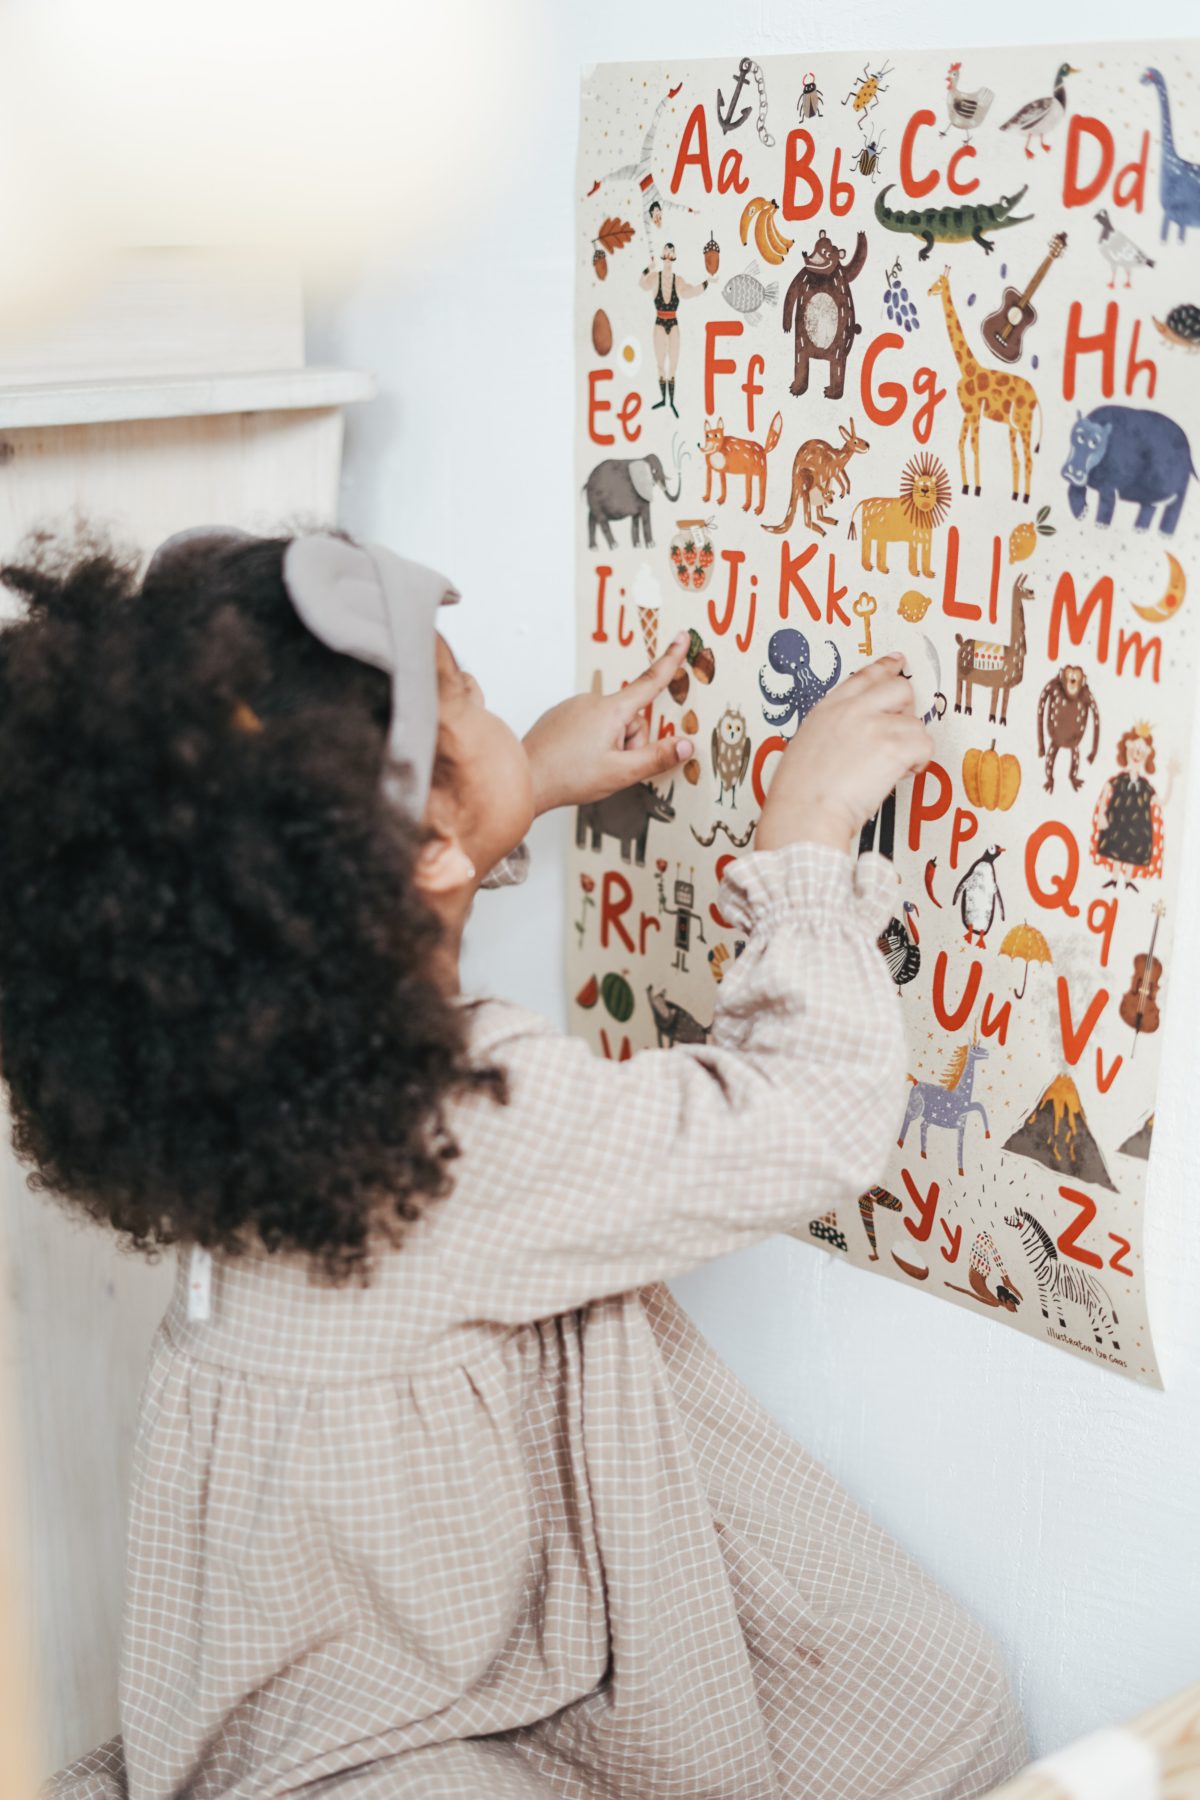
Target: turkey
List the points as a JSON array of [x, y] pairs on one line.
[[965, 111], [899, 942]]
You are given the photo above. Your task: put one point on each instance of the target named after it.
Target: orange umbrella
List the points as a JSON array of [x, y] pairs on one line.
[[1025, 944]]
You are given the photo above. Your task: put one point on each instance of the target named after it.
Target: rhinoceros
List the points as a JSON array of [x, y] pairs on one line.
[[626, 816]]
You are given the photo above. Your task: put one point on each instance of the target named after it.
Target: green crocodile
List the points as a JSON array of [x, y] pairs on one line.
[[950, 224]]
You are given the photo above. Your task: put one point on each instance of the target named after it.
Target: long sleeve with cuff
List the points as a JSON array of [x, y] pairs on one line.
[[606, 1175]]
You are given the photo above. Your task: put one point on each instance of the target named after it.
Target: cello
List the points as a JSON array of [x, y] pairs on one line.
[[1139, 1005]]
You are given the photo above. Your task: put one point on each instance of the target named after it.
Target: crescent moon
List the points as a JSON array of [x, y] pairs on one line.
[[914, 1269], [1172, 600]]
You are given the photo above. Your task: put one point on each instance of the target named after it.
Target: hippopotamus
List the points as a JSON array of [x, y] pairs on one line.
[[1126, 453]]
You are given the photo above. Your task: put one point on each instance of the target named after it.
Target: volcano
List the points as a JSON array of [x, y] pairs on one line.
[[1056, 1134], [1139, 1143]]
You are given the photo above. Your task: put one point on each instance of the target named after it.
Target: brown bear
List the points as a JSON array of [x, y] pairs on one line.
[[822, 305]]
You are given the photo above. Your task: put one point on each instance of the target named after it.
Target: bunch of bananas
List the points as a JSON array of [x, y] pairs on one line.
[[772, 245]]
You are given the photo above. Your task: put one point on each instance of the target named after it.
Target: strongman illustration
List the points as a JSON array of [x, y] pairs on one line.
[[668, 291]]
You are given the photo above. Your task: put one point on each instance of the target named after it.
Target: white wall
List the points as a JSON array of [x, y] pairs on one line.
[[1060, 1502]]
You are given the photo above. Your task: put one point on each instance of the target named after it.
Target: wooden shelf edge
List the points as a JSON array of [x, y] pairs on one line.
[[180, 396]]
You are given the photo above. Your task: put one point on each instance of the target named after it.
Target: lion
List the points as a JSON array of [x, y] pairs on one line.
[[911, 516]]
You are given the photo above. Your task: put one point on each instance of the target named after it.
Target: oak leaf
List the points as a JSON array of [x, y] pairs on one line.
[[614, 234]]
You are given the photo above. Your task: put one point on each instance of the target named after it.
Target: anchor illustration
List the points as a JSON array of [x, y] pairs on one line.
[[725, 115]]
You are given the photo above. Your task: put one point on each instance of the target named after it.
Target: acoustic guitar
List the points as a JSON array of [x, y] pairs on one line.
[[1004, 330]]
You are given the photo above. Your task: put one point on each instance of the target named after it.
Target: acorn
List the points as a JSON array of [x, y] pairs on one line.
[[701, 658], [678, 687], [600, 264], [712, 255]]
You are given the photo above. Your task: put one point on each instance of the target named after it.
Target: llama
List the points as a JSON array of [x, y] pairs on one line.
[[1000, 667]]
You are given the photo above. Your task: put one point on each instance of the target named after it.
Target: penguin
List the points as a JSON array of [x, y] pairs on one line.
[[980, 892]]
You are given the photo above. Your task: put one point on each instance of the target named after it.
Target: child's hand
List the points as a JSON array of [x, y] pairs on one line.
[[848, 755], [595, 744]]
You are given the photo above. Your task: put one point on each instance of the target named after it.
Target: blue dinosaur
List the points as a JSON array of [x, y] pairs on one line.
[[795, 697], [1178, 181], [1126, 453]]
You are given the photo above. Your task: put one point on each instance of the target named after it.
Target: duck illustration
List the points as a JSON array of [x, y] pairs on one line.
[[1119, 251], [1041, 116], [979, 895]]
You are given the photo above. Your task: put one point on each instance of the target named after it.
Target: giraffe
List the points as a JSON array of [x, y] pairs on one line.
[[991, 394]]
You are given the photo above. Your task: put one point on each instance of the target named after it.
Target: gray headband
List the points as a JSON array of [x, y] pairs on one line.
[[365, 601]]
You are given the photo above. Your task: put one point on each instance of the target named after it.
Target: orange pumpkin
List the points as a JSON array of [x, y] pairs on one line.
[[992, 781]]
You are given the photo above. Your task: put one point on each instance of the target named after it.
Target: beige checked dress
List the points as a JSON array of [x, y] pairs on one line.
[[501, 1524]]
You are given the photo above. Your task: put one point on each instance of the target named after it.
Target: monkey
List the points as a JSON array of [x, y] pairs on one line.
[[1066, 700]]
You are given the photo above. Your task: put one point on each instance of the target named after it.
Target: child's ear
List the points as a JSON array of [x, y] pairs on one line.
[[443, 866]]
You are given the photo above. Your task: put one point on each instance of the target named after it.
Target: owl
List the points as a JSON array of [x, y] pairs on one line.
[[730, 753]]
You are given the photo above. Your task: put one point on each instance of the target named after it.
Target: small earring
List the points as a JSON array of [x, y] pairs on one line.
[[469, 867]]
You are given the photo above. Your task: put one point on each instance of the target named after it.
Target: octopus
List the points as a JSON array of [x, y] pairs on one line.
[[793, 697]]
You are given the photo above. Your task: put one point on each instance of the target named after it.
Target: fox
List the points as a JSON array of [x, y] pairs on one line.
[[738, 456]]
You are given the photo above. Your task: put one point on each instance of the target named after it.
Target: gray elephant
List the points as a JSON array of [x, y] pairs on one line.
[[623, 489]]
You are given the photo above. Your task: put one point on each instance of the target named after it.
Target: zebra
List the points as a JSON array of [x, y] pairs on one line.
[[1063, 1283]]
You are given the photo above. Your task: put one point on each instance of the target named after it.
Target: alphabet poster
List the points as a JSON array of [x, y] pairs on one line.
[[896, 350]]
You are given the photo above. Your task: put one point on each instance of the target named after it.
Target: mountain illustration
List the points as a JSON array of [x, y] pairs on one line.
[[1139, 1143], [1056, 1134]]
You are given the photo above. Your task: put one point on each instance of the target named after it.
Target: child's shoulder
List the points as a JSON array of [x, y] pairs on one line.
[[493, 1023]]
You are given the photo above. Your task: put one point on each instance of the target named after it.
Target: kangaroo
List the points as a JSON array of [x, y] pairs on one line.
[[738, 456], [815, 469]]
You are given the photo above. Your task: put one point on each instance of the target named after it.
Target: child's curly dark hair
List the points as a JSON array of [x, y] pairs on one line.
[[218, 1023]]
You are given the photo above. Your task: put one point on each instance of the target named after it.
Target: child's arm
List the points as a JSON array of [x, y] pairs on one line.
[[601, 1176]]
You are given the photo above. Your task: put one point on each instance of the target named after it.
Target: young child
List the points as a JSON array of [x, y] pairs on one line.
[[437, 1492]]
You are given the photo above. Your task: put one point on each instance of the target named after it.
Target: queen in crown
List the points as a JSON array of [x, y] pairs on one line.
[[1127, 828]]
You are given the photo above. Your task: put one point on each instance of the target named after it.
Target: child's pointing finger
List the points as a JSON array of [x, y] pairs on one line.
[[651, 683], [660, 758]]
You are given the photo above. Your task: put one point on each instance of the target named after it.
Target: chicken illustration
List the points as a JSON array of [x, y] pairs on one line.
[[978, 894], [1041, 116], [965, 111], [730, 753], [1119, 251]]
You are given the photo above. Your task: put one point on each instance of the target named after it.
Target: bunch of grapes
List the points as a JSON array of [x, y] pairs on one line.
[[899, 308]]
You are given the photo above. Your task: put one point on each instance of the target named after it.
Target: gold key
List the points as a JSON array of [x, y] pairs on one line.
[[863, 607]]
